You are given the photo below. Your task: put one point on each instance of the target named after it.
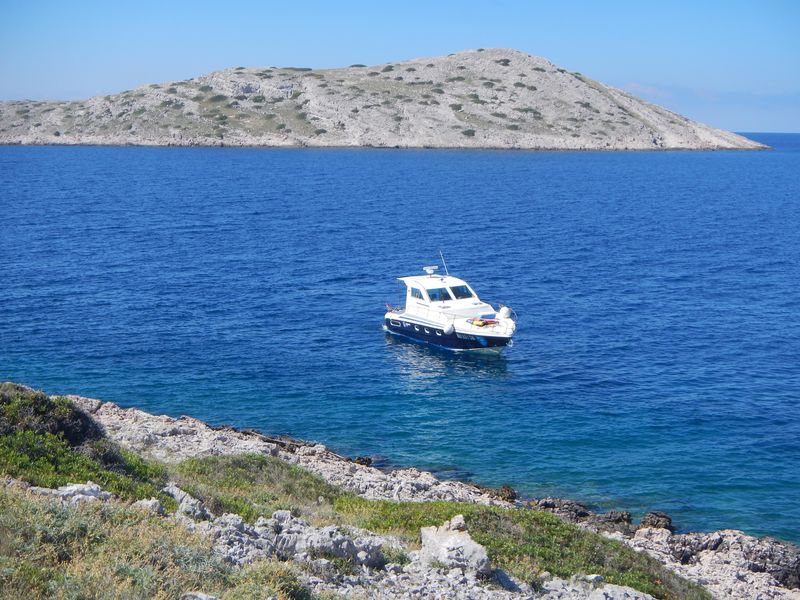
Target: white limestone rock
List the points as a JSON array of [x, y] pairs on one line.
[[452, 546]]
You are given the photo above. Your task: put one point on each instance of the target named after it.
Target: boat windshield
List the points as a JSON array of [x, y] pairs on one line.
[[460, 292], [439, 295]]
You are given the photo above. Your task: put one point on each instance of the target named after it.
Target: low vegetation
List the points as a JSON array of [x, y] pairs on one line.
[[112, 550]]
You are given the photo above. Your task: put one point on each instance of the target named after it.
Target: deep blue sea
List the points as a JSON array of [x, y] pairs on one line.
[[657, 361]]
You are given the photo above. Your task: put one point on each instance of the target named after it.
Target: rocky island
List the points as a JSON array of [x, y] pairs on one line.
[[484, 98], [105, 501]]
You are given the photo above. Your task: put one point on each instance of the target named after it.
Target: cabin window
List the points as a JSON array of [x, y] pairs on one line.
[[460, 292], [439, 295], [415, 293]]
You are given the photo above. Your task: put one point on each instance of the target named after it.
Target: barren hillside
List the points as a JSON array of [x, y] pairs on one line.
[[492, 98]]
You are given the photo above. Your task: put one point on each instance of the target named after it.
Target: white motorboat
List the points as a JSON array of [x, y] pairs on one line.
[[445, 311]]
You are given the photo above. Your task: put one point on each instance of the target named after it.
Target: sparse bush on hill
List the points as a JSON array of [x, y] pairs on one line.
[[468, 132], [218, 98], [503, 62], [456, 107], [529, 111], [387, 68], [205, 88], [452, 79], [357, 66]]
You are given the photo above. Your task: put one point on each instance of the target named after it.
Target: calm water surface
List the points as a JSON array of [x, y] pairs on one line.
[[657, 363]]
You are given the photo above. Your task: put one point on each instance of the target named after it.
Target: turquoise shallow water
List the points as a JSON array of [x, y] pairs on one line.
[[656, 364]]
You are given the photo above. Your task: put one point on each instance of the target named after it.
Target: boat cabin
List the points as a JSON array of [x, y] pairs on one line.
[[444, 293]]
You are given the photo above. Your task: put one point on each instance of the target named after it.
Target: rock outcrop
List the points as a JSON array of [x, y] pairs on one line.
[[451, 546], [728, 563], [494, 98]]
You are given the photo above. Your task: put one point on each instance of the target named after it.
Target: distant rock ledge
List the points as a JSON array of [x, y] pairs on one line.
[[728, 563], [493, 98]]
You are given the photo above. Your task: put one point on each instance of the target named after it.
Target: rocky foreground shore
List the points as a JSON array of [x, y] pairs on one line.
[[492, 98], [728, 563]]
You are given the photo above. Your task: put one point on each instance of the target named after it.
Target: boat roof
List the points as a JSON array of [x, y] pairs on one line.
[[430, 282]]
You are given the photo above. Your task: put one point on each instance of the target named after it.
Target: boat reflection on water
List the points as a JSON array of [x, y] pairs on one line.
[[424, 361]]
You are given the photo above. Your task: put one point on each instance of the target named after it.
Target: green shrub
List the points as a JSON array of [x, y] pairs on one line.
[[205, 88], [251, 485], [519, 84], [357, 65], [387, 68], [258, 99], [503, 62], [499, 115], [512, 127], [320, 131], [529, 111], [437, 90], [456, 107], [540, 69], [451, 79], [23, 409], [218, 98], [469, 132]]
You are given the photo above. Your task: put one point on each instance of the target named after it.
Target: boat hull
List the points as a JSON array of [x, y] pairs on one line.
[[436, 336]]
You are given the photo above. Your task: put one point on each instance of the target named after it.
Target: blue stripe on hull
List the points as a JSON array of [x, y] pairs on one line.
[[437, 337]]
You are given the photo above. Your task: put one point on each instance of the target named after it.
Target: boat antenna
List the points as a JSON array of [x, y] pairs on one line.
[[446, 272]]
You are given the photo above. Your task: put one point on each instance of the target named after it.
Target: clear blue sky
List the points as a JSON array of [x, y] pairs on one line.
[[733, 64]]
